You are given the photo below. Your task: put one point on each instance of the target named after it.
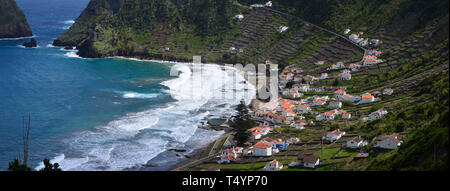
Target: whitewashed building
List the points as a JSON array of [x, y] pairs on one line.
[[388, 142], [262, 148], [356, 142], [334, 135], [273, 166]]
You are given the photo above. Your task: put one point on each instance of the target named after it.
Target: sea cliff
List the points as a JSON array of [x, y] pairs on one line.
[[13, 23]]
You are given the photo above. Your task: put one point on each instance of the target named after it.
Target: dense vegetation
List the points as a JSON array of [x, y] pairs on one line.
[[13, 23]]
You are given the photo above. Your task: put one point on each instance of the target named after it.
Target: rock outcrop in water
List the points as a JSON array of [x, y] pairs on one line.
[[31, 44], [13, 23]]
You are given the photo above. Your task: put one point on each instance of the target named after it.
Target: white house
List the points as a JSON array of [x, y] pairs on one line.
[[301, 87], [388, 91], [268, 4], [334, 67], [335, 104], [377, 115], [374, 52], [273, 166], [263, 130], [355, 38], [346, 76], [356, 142], [324, 75], [334, 135], [339, 93], [325, 116], [294, 94], [262, 148], [285, 92], [298, 78], [292, 141], [340, 65], [299, 124], [347, 31], [319, 63], [375, 42], [239, 17], [367, 99], [318, 102], [282, 29], [364, 42], [296, 70], [303, 108], [256, 135], [355, 67], [308, 161], [346, 116], [388, 142]]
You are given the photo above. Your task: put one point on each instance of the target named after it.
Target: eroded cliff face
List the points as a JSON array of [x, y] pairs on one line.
[[13, 23], [145, 28]]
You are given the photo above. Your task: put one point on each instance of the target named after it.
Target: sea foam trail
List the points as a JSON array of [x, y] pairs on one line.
[[136, 138], [20, 38]]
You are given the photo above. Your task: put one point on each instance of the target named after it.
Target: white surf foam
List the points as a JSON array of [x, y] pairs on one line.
[[72, 54], [136, 138], [68, 22], [135, 95], [20, 38]]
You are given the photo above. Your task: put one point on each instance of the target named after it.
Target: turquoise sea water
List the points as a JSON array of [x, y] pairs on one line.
[[94, 114]]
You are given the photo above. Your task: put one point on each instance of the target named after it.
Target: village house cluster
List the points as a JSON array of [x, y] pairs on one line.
[[295, 110]]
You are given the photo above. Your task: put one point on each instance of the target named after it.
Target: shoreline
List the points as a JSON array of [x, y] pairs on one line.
[[195, 154]]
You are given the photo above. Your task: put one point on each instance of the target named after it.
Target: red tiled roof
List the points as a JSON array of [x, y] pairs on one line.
[[262, 145]]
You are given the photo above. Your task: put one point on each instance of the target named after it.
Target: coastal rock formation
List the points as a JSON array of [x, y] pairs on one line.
[[143, 28], [13, 23], [31, 44]]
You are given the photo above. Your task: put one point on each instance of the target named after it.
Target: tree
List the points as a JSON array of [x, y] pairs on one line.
[[16, 166], [242, 122], [336, 82], [25, 136], [49, 167]]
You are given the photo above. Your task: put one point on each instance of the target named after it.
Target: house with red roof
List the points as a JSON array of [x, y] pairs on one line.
[[346, 76], [273, 166], [346, 116], [325, 116], [319, 102], [308, 161], [303, 108], [262, 148], [367, 99], [334, 135], [276, 144], [256, 135]]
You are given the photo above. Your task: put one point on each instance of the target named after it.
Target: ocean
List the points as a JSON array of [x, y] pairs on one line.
[[103, 114]]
